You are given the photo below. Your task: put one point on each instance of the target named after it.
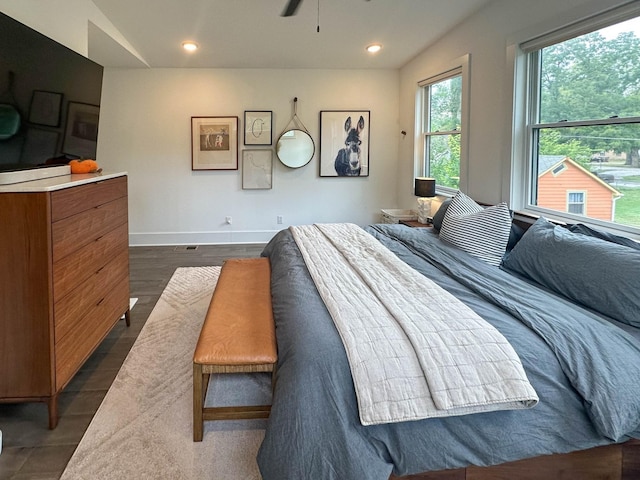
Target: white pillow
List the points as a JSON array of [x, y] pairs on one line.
[[481, 232]]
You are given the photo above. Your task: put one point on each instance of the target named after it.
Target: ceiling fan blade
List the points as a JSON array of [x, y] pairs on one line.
[[291, 8]]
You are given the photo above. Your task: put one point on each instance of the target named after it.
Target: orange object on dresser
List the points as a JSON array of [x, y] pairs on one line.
[[84, 166]]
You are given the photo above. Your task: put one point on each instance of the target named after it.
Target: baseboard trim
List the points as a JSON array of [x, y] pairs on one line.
[[200, 238]]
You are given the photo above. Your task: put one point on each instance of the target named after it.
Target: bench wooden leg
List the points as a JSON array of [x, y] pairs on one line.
[[198, 403], [273, 378]]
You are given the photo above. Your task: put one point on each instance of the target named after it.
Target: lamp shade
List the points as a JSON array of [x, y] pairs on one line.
[[425, 187]]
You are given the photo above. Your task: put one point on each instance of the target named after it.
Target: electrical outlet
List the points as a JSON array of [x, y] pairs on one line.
[[279, 219], [228, 220]]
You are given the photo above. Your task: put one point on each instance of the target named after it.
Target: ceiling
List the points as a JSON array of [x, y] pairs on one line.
[[252, 34]]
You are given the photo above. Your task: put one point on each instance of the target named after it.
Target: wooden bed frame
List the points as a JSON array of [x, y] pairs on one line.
[[611, 462]]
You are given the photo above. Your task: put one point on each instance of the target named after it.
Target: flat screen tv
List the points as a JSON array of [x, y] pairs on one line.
[[49, 100]]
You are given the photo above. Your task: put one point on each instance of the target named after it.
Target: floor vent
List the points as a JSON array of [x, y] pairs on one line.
[[181, 248]]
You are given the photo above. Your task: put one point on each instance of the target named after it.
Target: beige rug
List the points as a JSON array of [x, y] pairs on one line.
[[143, 429]]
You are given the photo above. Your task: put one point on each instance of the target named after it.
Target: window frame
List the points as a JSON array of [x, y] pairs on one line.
[[460, 67], [525, 60], [583, 202]]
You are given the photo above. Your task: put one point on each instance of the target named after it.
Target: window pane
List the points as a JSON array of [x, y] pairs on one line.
[[603, 162], [576, 197], [576, 208], [443, 154], [445, 102], [593, 76]]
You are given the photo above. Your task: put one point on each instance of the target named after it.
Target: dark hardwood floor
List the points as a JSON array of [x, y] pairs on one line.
[[30, 450]]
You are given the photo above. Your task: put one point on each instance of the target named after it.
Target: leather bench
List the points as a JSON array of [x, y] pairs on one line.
[[238, 336]]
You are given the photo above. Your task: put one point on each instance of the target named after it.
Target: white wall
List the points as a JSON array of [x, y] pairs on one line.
[[485, 36], [68, 22], [145, 130]]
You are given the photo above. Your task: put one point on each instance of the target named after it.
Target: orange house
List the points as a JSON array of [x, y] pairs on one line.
[[566, 186]]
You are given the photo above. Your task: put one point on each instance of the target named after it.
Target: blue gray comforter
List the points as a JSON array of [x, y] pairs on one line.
[[584, 369]]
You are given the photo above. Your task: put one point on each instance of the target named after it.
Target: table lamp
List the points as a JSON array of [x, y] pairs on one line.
[[425, 190]]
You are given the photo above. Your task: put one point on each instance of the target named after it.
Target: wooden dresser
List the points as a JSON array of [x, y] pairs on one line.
[[64, 280]]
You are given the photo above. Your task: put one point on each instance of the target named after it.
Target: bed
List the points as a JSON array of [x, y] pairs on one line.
[[583, 365]]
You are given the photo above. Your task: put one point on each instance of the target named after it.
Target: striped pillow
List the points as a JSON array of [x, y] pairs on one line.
[[481, 232]]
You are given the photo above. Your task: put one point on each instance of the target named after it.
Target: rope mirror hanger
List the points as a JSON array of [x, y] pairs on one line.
[[295, 147]]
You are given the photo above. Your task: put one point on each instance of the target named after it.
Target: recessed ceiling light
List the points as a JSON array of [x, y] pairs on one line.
[[374, 48], [190, 46]]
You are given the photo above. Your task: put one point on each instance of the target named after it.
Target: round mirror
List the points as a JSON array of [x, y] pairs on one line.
[[295, 148]]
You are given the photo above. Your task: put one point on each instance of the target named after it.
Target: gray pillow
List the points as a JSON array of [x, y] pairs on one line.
[[600, 275], [481, 232], [439, 215], [602, 235]]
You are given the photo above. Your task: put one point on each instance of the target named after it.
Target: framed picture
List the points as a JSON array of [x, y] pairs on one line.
[[45, 108], [257, 169], [344, 143], [214, 143], [81, 130], [257, 127]]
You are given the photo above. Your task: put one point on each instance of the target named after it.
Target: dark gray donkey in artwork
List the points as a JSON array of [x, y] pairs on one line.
[[347, 162]]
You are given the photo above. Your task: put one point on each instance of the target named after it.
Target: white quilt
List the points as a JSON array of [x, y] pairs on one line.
[[414, 349]]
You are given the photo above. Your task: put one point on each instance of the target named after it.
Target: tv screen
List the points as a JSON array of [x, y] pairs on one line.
[[49, 99]]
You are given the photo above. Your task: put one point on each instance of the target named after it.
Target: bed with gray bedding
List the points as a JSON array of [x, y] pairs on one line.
[[583, 365]]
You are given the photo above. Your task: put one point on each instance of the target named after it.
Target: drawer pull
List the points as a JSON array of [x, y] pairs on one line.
[[101, 300], [99, 238], [100, 269]]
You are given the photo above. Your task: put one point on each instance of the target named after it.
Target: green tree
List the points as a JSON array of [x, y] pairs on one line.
[[551, 142], [445, 115], [444, 160], [592, 77]]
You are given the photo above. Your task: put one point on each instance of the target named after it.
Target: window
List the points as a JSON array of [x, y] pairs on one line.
[[558, 170], [441, 120], [584, 107], [442, 130], [575, 202]]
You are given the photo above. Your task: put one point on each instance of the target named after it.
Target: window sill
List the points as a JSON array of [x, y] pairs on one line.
[[530, 215]]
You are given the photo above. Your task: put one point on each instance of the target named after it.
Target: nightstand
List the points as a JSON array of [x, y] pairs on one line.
[[415, 224]]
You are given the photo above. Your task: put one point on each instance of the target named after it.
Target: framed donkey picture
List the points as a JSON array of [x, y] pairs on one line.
[[344, 143]]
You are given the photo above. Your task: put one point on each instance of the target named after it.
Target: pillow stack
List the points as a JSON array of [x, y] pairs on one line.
[[481, 232], [596, 273]]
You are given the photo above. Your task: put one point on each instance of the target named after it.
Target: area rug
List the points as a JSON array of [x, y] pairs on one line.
[[143, 429]]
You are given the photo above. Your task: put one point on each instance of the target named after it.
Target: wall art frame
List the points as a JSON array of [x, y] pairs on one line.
[[257, 169], [344, 143], [45, 108], [81, 130], [214, 143], [258, 127]]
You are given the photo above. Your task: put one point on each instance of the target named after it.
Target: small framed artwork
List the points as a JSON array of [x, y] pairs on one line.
[[214, 143], [45, 108], [81, 130], [257, 127], [257, 169], [344, 143]]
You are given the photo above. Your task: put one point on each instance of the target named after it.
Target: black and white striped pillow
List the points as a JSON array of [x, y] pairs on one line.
[[481, 232]]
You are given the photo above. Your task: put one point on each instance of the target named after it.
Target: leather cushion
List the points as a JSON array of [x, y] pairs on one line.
[[239, 327]]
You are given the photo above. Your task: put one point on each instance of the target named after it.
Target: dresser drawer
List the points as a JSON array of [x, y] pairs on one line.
[[70, 201], [71, 271], [70, 310], [79, 230], [75, 347]]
